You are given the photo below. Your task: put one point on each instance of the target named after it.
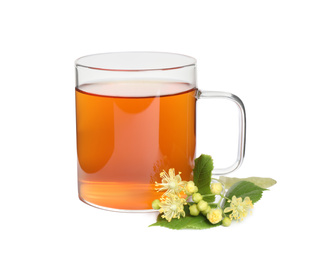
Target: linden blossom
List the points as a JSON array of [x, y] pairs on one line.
[[172, 207], [171, 182], [239, 208]]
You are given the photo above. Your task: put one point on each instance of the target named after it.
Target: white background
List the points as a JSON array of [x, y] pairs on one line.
[[272, 54]]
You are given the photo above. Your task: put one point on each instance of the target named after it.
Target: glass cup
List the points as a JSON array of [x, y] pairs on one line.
[[135, 117]]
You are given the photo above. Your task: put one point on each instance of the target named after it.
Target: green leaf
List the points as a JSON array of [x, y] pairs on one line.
[[188, 222], [261, 182], [244, 189], [203, 174]]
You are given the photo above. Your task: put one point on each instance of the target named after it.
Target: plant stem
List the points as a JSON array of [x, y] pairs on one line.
[[219, 203], [207, 195], [224, 197]]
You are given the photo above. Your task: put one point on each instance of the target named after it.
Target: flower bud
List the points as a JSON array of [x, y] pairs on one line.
[[194, 210], [204, 212], [190, 188], [202, 205], [214, 216], [196, 197], [155, 204], [216, 188], [226, 222]]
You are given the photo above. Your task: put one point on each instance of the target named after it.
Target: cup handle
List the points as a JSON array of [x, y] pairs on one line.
[[242, 127]]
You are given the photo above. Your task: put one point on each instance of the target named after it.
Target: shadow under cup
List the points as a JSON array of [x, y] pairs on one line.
[[135, 117]]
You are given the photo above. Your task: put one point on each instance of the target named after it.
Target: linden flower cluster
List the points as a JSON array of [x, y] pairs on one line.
[[172, 202]]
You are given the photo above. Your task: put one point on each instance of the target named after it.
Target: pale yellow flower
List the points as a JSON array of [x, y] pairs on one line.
[[170, 182], [239, 208], [214, 215], [172, 207]]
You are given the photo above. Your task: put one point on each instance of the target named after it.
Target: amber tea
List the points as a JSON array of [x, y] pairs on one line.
[[127, 133]]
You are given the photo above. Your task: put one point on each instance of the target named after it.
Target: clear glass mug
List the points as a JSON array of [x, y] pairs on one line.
[[135, 117]]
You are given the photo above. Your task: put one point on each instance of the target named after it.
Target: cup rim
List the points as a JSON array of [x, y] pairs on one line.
[[178, 61]]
